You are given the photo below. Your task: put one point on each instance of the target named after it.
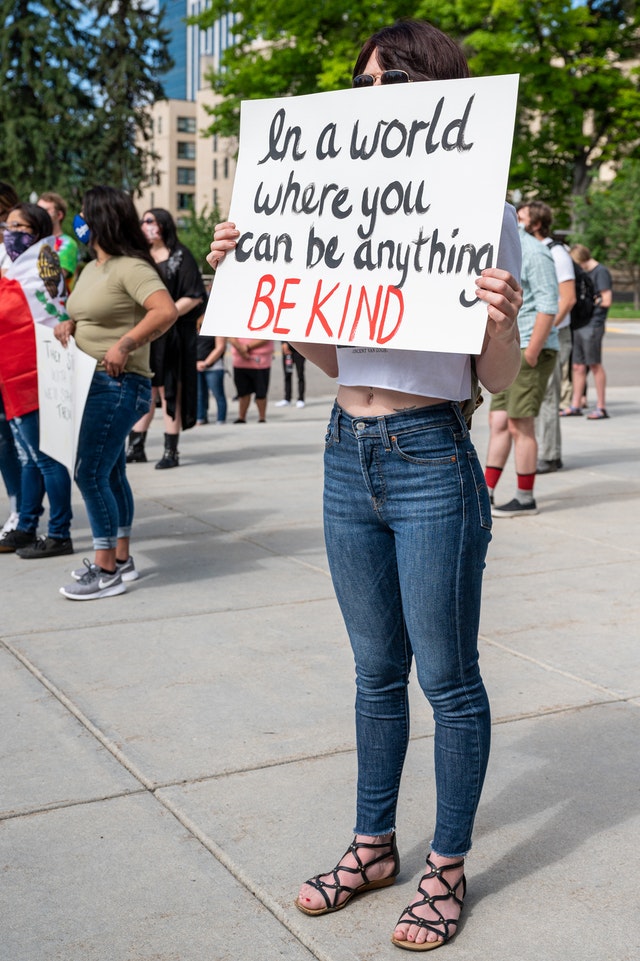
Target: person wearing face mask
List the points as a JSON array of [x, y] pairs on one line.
[[118, 305], [32, 291], [173, 356]]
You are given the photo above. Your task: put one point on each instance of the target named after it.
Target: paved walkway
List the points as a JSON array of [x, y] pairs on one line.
[[176, 760]]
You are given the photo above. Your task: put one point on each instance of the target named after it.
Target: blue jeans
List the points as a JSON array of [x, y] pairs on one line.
[[9, 462], [113, 407], [407, 522], [211, 380], [40, 474]]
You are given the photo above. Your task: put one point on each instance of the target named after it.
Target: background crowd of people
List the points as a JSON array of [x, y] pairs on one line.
[[114, 302]]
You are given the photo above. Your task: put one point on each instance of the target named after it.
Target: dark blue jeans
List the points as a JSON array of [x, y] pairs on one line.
[[9, 461], [40, 474], [113, 407], [211, 380], [407, 524]]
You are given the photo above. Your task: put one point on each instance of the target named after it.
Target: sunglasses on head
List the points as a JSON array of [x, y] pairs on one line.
[[387, 76]]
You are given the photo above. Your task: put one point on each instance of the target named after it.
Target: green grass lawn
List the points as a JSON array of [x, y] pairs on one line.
[[623, 312]]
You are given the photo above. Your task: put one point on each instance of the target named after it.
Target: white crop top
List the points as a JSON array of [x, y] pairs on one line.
[[425, 372]]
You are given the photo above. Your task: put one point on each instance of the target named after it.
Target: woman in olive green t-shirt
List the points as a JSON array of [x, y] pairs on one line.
[[119, 304]]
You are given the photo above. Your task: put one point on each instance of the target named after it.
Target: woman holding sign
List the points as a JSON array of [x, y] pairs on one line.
[[407, 525]]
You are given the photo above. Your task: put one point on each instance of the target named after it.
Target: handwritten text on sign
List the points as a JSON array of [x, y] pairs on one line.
[[366, 215], [64, 378]]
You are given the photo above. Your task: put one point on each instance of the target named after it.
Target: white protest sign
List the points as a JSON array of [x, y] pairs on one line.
[[64, 378], [365, 215]]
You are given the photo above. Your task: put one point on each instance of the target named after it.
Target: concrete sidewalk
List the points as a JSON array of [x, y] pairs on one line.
[[176, 760]]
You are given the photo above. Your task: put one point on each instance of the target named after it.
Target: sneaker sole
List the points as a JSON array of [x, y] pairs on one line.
[[106, 592], [530, 512]]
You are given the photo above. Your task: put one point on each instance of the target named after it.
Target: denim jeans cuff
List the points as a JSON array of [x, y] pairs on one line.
[[104, 543]]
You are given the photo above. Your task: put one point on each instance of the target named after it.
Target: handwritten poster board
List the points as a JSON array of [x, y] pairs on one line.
[[365, 215], [64, 378]]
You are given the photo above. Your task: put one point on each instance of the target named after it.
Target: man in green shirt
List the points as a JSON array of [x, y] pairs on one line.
[[65, 246]]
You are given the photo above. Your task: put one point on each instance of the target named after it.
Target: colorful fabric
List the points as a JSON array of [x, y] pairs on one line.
[[32, 292], [67, 251]]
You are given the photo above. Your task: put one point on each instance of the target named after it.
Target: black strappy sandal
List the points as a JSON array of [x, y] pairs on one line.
[[440, 926], [332, 891]]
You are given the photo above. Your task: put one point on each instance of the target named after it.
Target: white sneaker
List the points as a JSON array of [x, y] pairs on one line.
[[299, 403], [282, 403], [11, 523]]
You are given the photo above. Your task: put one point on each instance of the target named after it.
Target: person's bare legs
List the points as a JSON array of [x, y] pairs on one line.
[[243, 406], [122, 550], [499, 439], [145, 421], [579, 385], [171, 424], [525, 445], [261, 404], [406, 930], [600, 381], [106, 559]]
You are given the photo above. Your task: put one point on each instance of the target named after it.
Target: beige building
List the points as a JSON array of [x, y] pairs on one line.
[[192, 171]]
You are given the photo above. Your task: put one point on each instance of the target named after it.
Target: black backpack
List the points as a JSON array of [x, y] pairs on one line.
[[582, 310]]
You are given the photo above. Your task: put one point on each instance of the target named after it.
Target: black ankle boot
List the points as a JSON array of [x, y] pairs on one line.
[[135, 451], [170, 456]]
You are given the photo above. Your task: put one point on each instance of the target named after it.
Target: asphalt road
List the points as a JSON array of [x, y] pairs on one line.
[[621, 353]]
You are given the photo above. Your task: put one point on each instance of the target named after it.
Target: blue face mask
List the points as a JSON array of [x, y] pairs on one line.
[[81, 229]]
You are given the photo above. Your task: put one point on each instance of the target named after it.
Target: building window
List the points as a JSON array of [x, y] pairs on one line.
[[159, 125], [214, 141], [186, 176], [226, 168], [185, 201], [215, 198], [186, 150], [215, 168], [186, 124]]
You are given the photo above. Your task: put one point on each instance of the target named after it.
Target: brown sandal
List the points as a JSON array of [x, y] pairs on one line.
[[441, 926], [332, 891]]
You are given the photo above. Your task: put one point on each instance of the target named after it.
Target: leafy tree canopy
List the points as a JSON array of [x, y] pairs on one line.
[[75, 80], [607, 221], [579, 101]]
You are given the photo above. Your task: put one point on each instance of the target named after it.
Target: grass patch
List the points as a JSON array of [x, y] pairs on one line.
[[622, 311]]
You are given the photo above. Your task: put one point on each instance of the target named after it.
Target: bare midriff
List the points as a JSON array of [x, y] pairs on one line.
[[378, 401]]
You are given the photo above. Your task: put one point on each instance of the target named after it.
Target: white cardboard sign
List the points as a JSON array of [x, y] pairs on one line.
[[64, 379], [365, 215]]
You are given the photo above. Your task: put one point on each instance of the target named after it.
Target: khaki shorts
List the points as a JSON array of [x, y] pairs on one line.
[[524, 397]]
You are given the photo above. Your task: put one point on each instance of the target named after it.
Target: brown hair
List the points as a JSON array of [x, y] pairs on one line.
[[580, 253], [8, 198], [56, 200], [541, 215], [418, 47]]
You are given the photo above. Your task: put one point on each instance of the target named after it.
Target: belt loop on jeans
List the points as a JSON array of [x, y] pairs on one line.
[[382, 423], [457, 410]]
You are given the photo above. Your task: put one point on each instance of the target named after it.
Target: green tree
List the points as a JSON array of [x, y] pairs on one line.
[[131, 53], [197, 234], [43, 99], [579, 100], [607, 221], [286, 48], [75, 80]]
